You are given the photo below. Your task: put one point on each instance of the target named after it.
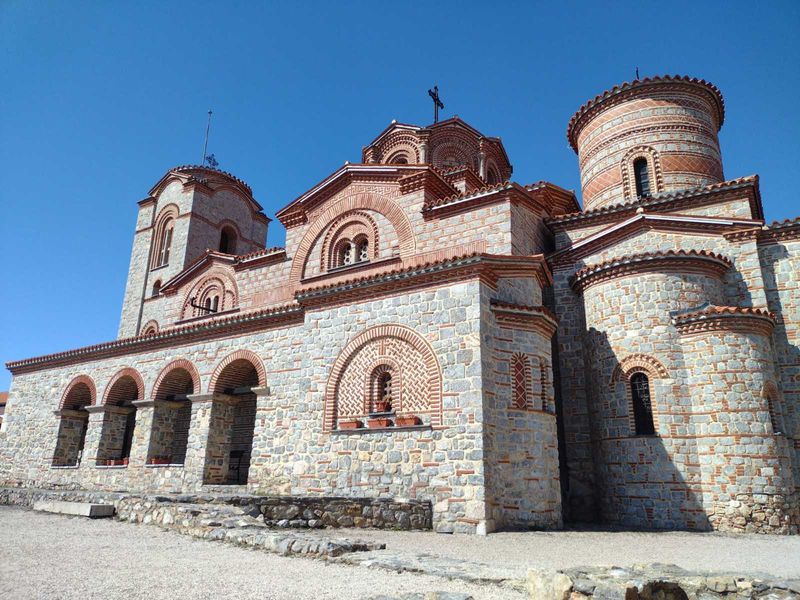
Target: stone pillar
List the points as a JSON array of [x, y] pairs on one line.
[[112, 430], [260, 475], [210, 437], [423, 152], [142, 432], [94, 432], [71, 428]]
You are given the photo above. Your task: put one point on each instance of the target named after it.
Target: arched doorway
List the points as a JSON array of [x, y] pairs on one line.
[[233, 420], [73, 422], [172, 415], [119, 420]]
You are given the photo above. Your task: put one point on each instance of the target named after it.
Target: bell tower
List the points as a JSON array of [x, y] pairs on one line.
[[190, 210]]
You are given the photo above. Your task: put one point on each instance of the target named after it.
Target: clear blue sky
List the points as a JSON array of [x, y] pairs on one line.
[[99, 99]]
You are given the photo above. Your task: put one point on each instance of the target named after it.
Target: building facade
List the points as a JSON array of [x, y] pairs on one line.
[[434, 331]]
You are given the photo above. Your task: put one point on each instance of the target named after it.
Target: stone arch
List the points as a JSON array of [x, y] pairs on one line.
[[360, 201], [653, 168], [218, 380], [181, 363], [77, 391], [382, 334], [116, 389]]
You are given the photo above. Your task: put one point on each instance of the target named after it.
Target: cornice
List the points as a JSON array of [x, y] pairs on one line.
[[692, 261], [782, 231], [488, 268], [725, 318], [637, 87], [238, 324], [429, 180], [716, 192], [642, 222], [520, 316]]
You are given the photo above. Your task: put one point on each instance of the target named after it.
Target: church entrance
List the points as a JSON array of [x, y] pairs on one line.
[[232, 424]]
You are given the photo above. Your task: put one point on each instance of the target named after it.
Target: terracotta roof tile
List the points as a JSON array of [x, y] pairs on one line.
[[651, 255]]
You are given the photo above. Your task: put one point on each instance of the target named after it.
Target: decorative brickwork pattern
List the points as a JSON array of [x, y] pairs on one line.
[[414, 360]]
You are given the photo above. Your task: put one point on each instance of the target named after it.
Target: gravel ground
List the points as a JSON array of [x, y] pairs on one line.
[[741, 553], [52, 556]]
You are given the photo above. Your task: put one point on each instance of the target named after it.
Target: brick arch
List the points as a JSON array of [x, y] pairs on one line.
[[239, 355], [150, 328], [181, 363], [653, 167], [381, 365], [360, 201], [384, 332], [629, 365], [218, 280], [109, 398], [348, 225], [80, 379]]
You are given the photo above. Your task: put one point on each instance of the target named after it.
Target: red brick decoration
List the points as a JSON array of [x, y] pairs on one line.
[[234, 367], [349, 227], [150, 328], [346, 394], [81, 391], [360, 201], [520, 381], [164, 220], [775, 406], [639, 363], [217, 284], [126, 384], [171, 379], [653, 166]]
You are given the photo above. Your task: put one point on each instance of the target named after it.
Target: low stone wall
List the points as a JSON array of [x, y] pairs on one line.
[[654, 582], [272, 511]]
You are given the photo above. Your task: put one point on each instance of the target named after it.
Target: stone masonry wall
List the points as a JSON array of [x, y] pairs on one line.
[[291, 455]]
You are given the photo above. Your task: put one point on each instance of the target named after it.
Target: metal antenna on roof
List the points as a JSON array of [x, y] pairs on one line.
[[437, 104], [205, 146]]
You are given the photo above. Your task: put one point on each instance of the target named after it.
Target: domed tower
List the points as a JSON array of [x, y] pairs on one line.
[[645, 137]]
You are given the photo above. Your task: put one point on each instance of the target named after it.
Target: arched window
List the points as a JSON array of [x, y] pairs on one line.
[[156, 288], [363, 250], [492, 178], [642, 176], [382, 400], [165, 243], [642, 404], [344, 253], [227, 240], [399, 159]]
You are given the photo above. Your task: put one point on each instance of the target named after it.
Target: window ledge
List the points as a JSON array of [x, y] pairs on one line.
[[158, 268], [65, 467], [363, 430], [111, 466], [171, 465]]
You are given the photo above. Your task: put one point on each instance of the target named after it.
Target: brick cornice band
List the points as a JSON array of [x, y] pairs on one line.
[[693, 261], [725, 318]]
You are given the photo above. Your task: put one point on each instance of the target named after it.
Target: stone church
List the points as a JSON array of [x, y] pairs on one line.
[[435, 331]]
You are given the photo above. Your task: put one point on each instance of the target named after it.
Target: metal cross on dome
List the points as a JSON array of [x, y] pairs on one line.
[[437, 104]]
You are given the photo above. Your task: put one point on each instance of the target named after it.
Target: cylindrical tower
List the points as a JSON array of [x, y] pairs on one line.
[[651, 135]]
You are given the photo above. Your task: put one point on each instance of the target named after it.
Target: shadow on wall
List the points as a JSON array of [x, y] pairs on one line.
[[645, 480]]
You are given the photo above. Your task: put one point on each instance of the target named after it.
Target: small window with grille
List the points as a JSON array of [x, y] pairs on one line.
[[642, 404], [642, 176]]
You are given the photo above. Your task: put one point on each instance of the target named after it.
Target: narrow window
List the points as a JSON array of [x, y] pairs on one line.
[[345, 254], [363, 251], [166, 243], [157, 288], [227, 241], [215, 304], [642, 176], [207, 304], [642, 405]]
